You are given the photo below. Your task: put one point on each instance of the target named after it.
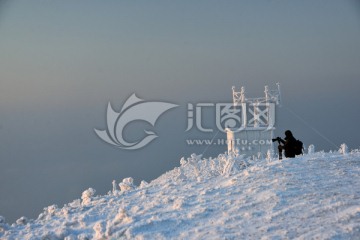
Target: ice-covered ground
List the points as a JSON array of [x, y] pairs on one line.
[[315, 196]]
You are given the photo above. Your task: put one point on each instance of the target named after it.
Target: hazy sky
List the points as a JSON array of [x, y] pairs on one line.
[[61, 62]]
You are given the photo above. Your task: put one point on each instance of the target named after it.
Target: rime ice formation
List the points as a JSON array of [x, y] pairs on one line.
[[314, 196]]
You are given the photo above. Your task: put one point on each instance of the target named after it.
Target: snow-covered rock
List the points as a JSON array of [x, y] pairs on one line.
[[315, 196]]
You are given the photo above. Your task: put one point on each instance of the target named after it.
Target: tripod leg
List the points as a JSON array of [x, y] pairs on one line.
[[280, 152]]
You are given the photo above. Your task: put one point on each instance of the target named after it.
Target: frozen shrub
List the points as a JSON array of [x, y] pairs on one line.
[[343, 149], [114, 186], [195, 168], [99, 230], [269, 155], [311, 149], [87, 195], [143, 184], [355, 151], [126, 184], [22, 221], [48, 212], [51, 209], [180, 174], [74, 204], [183, 161], [121, 217]]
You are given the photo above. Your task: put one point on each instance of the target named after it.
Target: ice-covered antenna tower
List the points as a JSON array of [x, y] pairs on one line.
[[254, 136]]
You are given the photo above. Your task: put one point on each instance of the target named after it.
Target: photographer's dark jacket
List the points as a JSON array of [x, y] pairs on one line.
[[289, 146]]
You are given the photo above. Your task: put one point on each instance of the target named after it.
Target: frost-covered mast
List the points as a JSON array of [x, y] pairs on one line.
[[257, 122]]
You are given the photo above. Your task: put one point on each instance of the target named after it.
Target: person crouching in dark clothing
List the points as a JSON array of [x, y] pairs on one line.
[[288, 145]]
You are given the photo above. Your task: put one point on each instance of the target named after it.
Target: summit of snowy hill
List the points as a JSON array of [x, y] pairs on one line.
[[229, 197]]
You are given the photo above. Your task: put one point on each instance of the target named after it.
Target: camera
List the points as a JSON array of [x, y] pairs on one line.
[[276, 139]]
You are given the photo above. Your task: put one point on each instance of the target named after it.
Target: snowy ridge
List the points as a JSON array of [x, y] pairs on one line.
[[229, 197]]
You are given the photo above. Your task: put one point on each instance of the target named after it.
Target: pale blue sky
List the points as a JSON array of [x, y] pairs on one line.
[[62, 61]]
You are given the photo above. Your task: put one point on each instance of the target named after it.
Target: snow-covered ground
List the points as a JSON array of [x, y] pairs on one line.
[[315, 196]]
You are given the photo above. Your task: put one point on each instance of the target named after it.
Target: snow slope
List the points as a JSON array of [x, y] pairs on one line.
[[315, 196]]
